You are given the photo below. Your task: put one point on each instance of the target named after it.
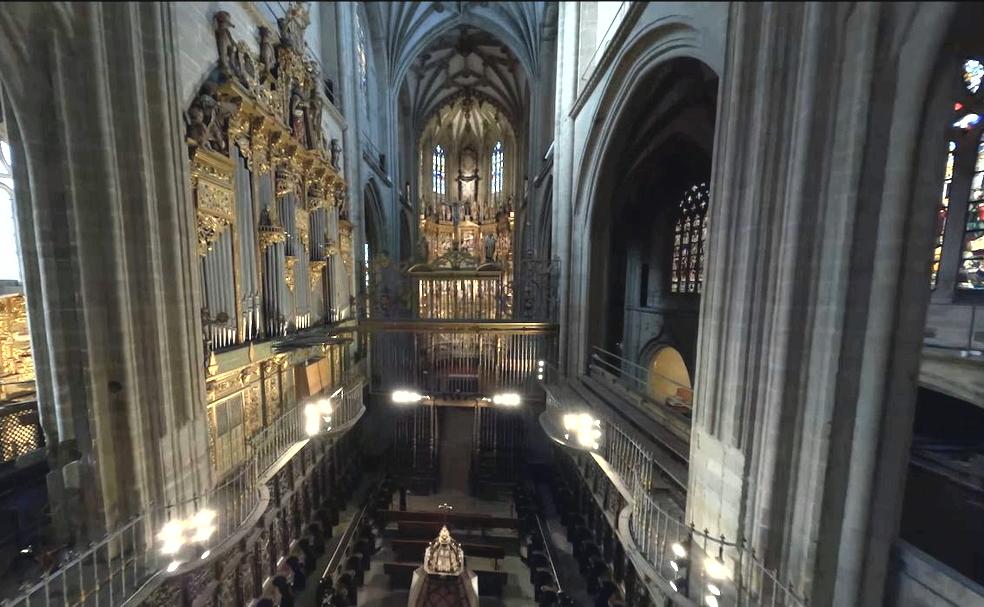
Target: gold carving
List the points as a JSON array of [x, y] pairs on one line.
[[286, 182], [315, 271], [16, 362], [213, 364], [345, 245], [290, 261], [211, 175], [251, 410], [302, 225], [269, 235]]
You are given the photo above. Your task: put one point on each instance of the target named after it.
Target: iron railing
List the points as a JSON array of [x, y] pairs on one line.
[[459, 362], [630, 375], [20, 430], [111, 570], [655, 529]]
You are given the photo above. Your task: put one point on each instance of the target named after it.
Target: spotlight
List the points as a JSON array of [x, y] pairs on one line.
[[205, 554], [406, 397], [509, 399], [711, 600], [312, 419], [679, 550], [204, 525], [585, 428], [715, 569], [173, 566], [714, 589], [680, 585], [171, 537], [679, 563]]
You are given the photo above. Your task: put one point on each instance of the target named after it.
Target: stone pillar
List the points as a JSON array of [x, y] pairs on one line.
[[563, 184], [823, 190], [108, 236]]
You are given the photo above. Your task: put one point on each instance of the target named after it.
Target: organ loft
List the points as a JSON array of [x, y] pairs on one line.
[[554, 304]]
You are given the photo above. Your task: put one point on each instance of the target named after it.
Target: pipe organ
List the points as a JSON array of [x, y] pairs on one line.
[[268, 194], [274, 245]]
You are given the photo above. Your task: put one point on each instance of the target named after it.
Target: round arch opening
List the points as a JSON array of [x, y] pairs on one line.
[[668, 379]]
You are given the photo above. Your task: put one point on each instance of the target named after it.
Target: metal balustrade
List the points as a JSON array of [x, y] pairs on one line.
[[654, 530], [20, 430], [111, 570], [472, 362], [656, 520]]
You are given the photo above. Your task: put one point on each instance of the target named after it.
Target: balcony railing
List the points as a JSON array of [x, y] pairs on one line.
[[654, 530], [110, 571], [459, 359], [20, 430]]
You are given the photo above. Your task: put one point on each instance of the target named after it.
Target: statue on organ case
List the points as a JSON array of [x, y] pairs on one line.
[[297, 107]]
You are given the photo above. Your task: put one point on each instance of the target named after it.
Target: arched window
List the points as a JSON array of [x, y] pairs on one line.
[[689, 234], [9, 255], [970, 275], [438, 169], [361, 51], [495, 175], [941, 215]]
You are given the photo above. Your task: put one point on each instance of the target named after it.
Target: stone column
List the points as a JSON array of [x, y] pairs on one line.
[[823, 193], [108, 235], [563, 197]]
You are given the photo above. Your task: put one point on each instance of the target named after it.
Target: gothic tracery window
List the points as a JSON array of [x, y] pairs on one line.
[[689, 235], [970, 273], [972, 259], [495, 180], [439, 184], [361, 51], [942, 215]]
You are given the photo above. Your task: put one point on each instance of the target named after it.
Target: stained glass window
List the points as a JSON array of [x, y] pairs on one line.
[[689, 236], [971, 275], [973, 74], [438, 168], [941, 215], [361, 50], [496, 172]]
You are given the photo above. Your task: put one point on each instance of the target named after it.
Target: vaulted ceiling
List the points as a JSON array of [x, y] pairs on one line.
[[465, 114], [436, 52], [467, 62]]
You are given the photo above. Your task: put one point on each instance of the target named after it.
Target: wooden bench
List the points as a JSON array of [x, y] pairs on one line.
[[490, 583], [410, 550], [458, 521]]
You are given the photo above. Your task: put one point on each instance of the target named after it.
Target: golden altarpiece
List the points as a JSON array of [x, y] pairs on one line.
[[466, 221]]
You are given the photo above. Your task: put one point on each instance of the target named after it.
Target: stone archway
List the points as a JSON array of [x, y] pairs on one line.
[[668, 379]]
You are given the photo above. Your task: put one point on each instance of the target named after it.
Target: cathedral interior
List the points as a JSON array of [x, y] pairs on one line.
[[493, 304]]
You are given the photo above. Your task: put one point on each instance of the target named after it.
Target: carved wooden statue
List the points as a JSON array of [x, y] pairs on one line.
[[223, 41], [268, 54], [197, 133], [489, 247], [214, 116], [336, 152], [314, 121], [297, 107]]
